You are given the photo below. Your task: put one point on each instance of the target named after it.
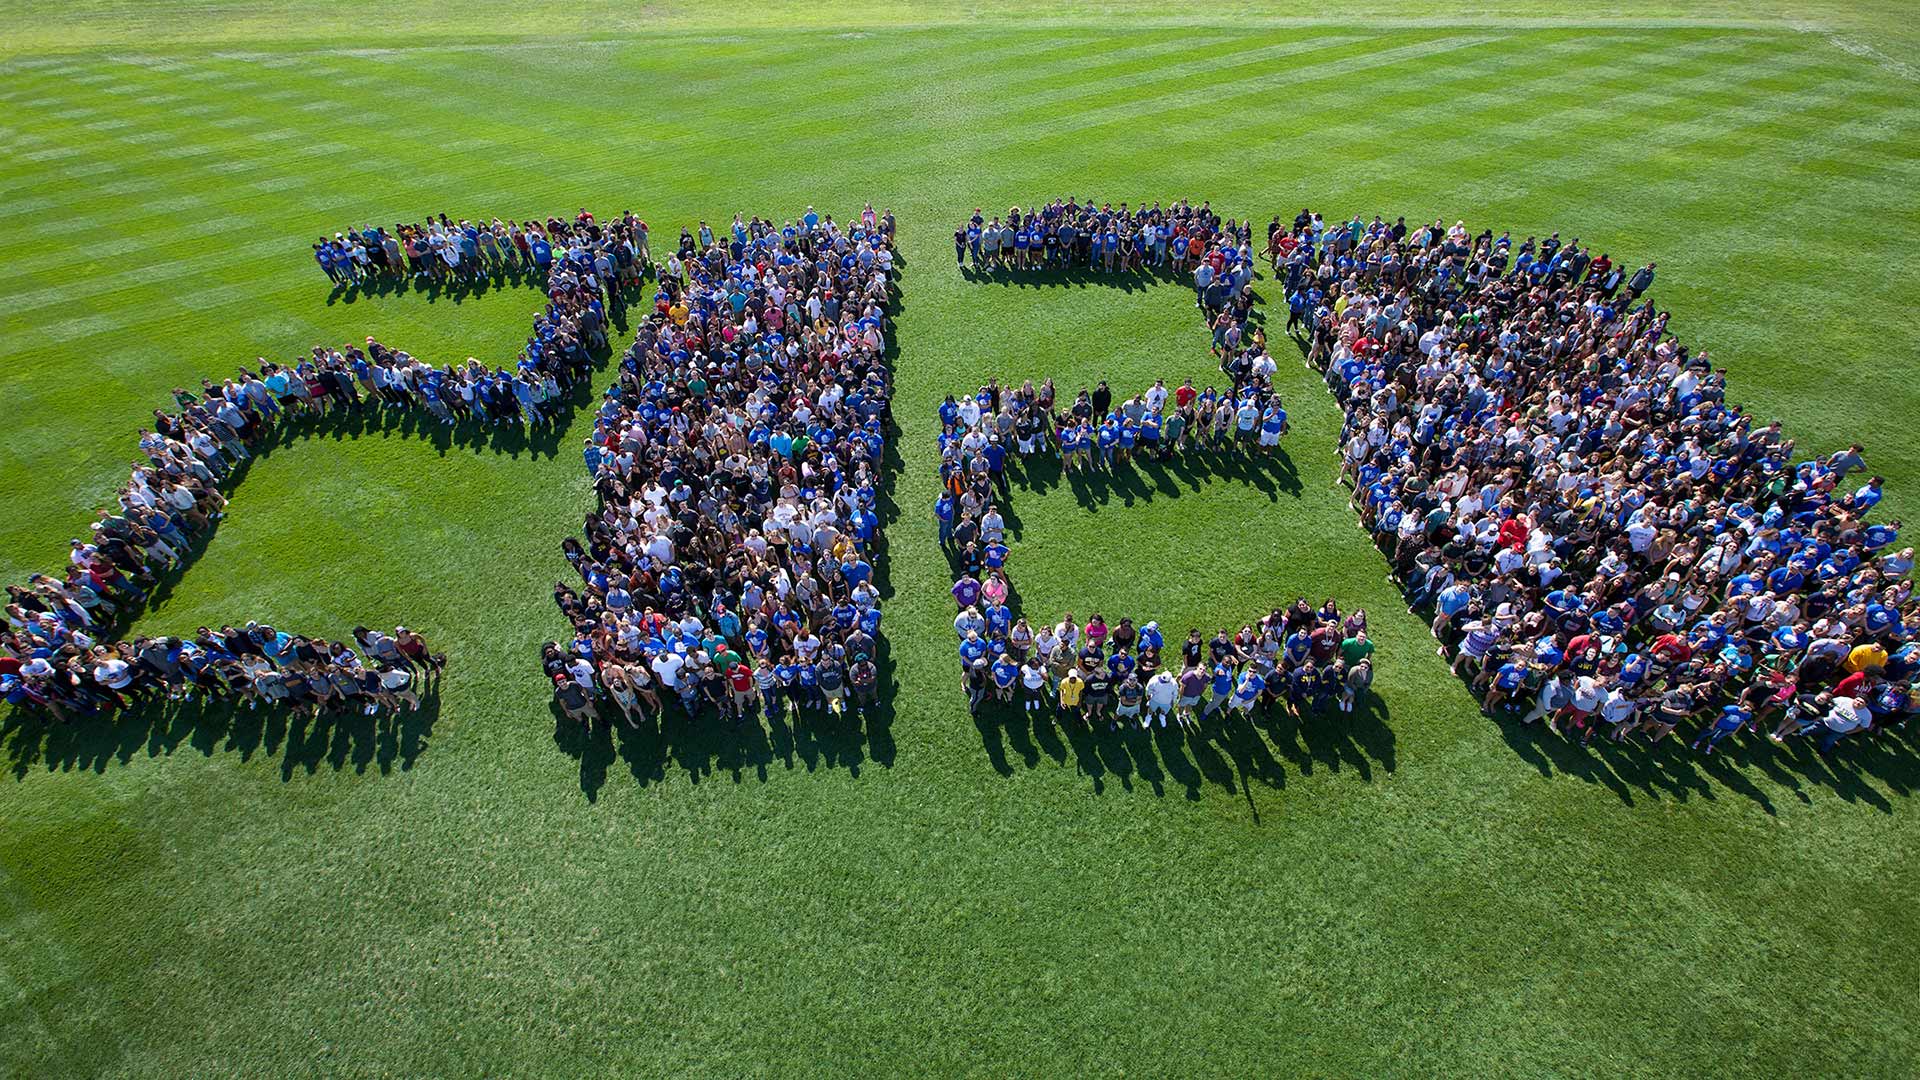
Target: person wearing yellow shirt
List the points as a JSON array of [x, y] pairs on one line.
[[1072, 685], [1871, 656]]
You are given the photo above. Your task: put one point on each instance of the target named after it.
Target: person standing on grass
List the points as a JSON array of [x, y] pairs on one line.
[[1246, 693], [743, 692], [1163, 691], [1130, 696], [1006, 675], [621, 690], [1072, 687], [1033, 683], [1730, 719], [831, 679], [1641, 281], [1098, 696], [1273, 424], [864, 677], [574, 701]]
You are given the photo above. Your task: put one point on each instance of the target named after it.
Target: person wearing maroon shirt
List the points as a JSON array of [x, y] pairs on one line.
[[1326, 642]]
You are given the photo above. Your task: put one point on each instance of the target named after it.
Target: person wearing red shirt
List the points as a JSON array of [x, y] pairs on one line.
[[1671, 649], [1513, 533], [740, 681]]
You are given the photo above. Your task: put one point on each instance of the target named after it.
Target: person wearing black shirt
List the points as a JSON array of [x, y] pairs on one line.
[[1099, 693]]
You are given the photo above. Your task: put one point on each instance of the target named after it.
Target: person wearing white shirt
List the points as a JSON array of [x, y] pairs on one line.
[[660, 549], [1844, 717], [667, 666], [1162, 690]]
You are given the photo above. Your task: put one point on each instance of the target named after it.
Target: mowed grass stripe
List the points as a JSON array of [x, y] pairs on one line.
[[1445, 107], [1424, 135], [1162, 91], [1148, 109]]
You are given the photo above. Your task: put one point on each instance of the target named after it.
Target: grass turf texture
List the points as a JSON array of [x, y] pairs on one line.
[[1445, 897]]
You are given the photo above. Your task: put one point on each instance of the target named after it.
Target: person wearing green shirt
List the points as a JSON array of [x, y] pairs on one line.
[[1356, 648]]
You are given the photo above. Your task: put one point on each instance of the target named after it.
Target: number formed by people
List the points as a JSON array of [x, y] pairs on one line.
[[727, 591], [1111, 675], [62, 659], [1601, 540]]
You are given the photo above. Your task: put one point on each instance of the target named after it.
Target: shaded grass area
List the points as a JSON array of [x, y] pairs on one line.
[[1412, 890]]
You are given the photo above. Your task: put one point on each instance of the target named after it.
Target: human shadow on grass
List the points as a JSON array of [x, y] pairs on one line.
[[1181, 474], [1169, 475], [671, 744], [304, 744], [1232, 752], [1081, 276], [1077, 275], [1635, 769], [434, 289]]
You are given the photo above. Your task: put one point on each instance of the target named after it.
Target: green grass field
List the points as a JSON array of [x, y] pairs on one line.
[[1418, 891]]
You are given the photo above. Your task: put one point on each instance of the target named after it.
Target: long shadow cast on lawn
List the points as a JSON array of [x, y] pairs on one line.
[[432, 290], [707, 746], [1671, 769], [1231, 752], [305, 744]]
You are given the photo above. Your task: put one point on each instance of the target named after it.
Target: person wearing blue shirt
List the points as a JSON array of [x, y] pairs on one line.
[[1881, 620], [1508, 679], [1299, 645], [1221, 687], [1247, 692], [858, 571], [1150, 637], [995, 554], [972, 648], [999, 620], [1730, 719], [943, 512], [1273, 424], [1004, 672]]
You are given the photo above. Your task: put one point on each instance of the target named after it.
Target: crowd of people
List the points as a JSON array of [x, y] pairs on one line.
[[444, 251], [69, 674], [1602, 541], [1300, 659], [728, 566], [1074, 233]]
